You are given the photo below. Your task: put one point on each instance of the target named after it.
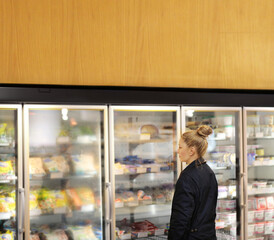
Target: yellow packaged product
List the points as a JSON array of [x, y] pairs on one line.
[[33, 200], [60, 199], [4, 205], [6, 168], [46, 200], [11, 204], [6, 236], [3, 128], [86, 195]]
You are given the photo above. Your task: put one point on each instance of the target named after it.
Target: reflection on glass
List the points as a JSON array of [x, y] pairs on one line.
[[222, 156], [145, 172], [65, 156], [260, 156], [8, 173]]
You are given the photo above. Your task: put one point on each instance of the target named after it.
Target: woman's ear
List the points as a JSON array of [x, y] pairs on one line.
[[192, 151]]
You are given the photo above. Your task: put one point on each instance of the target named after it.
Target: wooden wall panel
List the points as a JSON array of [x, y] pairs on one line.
[[174, 43]]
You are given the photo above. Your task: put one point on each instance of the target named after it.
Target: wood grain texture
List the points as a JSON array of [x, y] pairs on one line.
[[174, 43]]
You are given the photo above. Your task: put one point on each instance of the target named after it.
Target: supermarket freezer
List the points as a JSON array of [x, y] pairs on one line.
[[66, 157], [144, 168], [259, 180], [11, 188], [224, 156]]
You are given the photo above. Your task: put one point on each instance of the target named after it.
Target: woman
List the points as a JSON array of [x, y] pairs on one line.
[[195, 198]]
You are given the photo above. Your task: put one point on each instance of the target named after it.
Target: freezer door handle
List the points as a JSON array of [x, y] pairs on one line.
[[22, 212], [109, 219]]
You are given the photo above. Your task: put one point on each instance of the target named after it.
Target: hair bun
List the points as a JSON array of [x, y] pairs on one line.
[[204, 131]]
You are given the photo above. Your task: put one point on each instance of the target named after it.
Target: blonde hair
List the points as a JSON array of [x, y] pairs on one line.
[[197, 138]]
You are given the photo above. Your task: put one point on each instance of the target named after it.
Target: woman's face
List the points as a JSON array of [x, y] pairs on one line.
[[185, 152]]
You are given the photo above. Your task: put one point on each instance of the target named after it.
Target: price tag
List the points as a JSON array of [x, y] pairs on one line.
[[142, 234], [141, 170], [87, 208], [125, 236], [119, 204], [145, 136], [35, 212], [119, 171], [259, 134], [56, 175], [159, 231], [60, 210]]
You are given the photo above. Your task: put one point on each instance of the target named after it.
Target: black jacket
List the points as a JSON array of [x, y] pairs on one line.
[[194, 204]]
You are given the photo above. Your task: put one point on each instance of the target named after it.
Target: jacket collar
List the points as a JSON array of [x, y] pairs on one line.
[[198, 162]]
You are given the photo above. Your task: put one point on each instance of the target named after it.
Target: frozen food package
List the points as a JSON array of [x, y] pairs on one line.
[[73, 198], [83, 164], [57, 235], [81, 233], [61, 164], [34, 237], [4, 205], [6, 236], [270, 202], [33, 200], [46, 200], [50, 165], [60, 198], [36, 166], [6, 168], [86, 195]]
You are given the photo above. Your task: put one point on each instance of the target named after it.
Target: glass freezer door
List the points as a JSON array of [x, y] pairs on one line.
[[144, 143], [224, 157], [259, 154], [65, 157], [10, 171]]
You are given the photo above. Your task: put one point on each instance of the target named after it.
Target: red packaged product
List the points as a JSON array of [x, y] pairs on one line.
[[260, 203]]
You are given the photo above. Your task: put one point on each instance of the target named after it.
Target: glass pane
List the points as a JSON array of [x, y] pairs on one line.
[[66, 152], [223, 158], [145, 172], [260, 156], [8, 173]]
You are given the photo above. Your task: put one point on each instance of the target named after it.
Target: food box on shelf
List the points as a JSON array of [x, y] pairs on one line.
[[259, 228], [269, 215], [268, 227]]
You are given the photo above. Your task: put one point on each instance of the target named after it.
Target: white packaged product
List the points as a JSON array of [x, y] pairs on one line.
[[251, 216], [222, 192], [260, 203], [228, 204], [230, 218], [268, 228], [268, 215], [251, 203], [259, 228], [259, 215], [251, 230], [269, 202]]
